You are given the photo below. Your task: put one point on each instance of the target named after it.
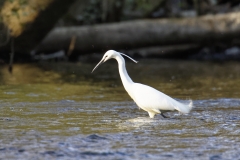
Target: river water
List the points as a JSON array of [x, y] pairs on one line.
[[62, 111]]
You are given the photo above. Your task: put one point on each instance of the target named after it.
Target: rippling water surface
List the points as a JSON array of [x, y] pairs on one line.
[[62, 111]]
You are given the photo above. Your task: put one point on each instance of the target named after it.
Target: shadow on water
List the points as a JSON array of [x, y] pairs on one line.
[[61, 110]]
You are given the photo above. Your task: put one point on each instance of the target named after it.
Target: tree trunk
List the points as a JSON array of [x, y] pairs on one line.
[[39, 27]]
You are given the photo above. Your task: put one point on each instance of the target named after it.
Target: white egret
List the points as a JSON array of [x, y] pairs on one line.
[[146, 97]]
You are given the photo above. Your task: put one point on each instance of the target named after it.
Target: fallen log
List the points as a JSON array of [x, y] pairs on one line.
[[204, 30]]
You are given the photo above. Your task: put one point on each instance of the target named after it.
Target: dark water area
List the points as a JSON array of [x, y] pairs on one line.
[[62, 111]]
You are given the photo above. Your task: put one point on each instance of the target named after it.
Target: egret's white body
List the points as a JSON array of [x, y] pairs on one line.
[[146, 97]]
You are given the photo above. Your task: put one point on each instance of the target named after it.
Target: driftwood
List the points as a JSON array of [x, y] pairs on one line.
[[204, 30]]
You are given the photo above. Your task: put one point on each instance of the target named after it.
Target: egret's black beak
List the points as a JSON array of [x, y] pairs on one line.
[[102, 61]]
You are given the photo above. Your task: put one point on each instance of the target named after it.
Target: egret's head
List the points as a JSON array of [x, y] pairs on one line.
[[111, 54]]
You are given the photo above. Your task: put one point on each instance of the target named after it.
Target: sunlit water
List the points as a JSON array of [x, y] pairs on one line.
[[62, 111]]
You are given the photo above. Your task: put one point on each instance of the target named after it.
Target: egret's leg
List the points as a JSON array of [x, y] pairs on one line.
[[151, 114], [164, 115]]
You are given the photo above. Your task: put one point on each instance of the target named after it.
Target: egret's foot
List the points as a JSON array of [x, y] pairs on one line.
[[164, 115], [151, 114]]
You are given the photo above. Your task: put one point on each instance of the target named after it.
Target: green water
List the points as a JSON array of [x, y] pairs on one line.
[[61, 110]]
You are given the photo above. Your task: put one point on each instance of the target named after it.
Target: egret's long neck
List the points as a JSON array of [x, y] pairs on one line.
[[126, 80]]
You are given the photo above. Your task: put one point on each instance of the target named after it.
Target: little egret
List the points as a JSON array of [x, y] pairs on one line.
[[146, 97]]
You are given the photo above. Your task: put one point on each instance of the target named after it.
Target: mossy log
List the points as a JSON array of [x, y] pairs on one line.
[[30, 21]]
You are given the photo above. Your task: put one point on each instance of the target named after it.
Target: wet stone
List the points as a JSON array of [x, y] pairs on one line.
[[216, 157], [21, 150], [95, 137]]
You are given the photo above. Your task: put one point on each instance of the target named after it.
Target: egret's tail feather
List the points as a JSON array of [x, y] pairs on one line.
[[190, 105], [184, 108]]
